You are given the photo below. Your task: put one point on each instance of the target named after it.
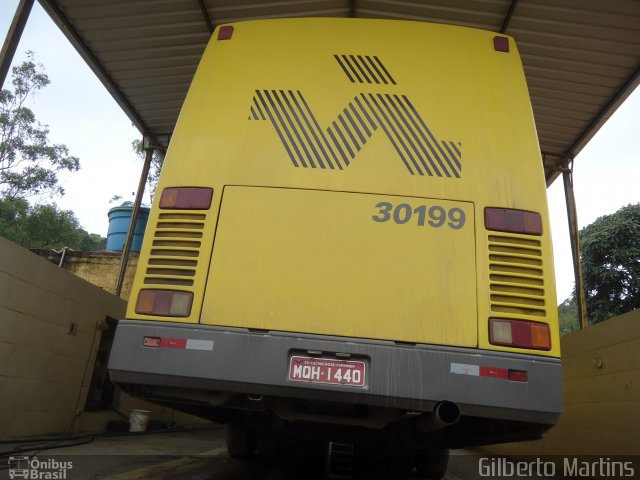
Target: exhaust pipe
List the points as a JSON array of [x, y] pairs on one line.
[[445, 413]]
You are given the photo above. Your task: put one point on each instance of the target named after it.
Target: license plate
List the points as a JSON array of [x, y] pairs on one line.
[[327, 370]]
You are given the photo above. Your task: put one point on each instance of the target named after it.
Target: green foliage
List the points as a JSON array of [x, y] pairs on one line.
[[568, 316], [29, 163], [44, 227], [93, 242], [12, 214], [610, 251]]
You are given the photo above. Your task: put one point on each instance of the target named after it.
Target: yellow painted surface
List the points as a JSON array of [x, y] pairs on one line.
[[465, 91], [316, 262]]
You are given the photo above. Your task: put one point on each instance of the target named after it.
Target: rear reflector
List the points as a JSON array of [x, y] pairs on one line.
[[513, 221], [178, 343], [164, 303], [225, 33], [519, 334], [186, 198], [518, 376], [151, 341]]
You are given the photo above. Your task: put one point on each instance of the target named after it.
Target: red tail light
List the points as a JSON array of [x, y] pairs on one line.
[[519, 334], [512, 221], [164, 303], [186, 198]]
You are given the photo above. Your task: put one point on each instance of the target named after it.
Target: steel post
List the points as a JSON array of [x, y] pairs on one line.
[[124, 260], [572, 217], [13, 37]]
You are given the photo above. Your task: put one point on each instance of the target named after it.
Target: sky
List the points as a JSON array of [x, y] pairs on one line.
[[82, 114]]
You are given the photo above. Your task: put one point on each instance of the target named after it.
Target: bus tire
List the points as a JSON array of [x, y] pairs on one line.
[[402, 464], [432, 463], [269, 446], [241, 442]]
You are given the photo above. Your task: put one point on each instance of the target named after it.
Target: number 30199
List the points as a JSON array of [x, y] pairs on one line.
[[436, 216]]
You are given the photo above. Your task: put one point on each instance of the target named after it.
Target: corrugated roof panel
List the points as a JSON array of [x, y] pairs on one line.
[[487, 14], [581, 57], [234, 11], [146, 63], [563, 95]]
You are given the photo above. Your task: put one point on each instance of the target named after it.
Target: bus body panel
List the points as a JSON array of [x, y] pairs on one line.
[[336, 263], [352, 162], [459, 93], [399, 377]]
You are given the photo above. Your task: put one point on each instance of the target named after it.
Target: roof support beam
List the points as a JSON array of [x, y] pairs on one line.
[[605, 112], [507, 18], [205, 15], [13, 37], [126, 251], [60, 19]]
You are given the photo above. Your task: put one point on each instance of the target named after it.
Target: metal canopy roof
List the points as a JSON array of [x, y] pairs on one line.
[[581, 57]]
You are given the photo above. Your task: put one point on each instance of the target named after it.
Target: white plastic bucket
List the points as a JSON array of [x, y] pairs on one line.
[[138, 420]]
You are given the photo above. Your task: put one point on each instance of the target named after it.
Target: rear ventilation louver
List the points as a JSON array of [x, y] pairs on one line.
[[516, 276], [175, 249]]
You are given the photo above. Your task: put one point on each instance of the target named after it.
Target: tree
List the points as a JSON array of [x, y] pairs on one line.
[[610, 251], [12, 213], [568, 316], [44, 227], [29, 163]]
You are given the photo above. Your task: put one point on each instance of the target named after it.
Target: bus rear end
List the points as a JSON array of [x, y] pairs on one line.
[[350, 239]]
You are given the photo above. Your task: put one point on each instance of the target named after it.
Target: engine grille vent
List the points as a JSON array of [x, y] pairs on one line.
[[177, 239], [516, 276]]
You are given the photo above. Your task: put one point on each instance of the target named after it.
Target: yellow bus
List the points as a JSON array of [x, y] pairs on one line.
[[350, 237]]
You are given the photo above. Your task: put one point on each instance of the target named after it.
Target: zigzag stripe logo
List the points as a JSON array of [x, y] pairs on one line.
[[310, 146]]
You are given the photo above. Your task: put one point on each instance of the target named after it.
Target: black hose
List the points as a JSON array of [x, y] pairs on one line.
[[84, 439]]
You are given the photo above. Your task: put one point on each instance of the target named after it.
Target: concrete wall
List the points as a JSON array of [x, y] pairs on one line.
[[602, 394], [50, 328]]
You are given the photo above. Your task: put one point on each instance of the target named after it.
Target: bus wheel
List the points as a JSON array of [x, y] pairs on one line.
[[269, 446], [432, 463], [402, 464], [241, 442]]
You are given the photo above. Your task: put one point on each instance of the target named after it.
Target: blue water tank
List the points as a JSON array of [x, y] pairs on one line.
[[119, 219]]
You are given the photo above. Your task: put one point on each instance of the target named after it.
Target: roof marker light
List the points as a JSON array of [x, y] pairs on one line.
[[225, 32], [501, 44]]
